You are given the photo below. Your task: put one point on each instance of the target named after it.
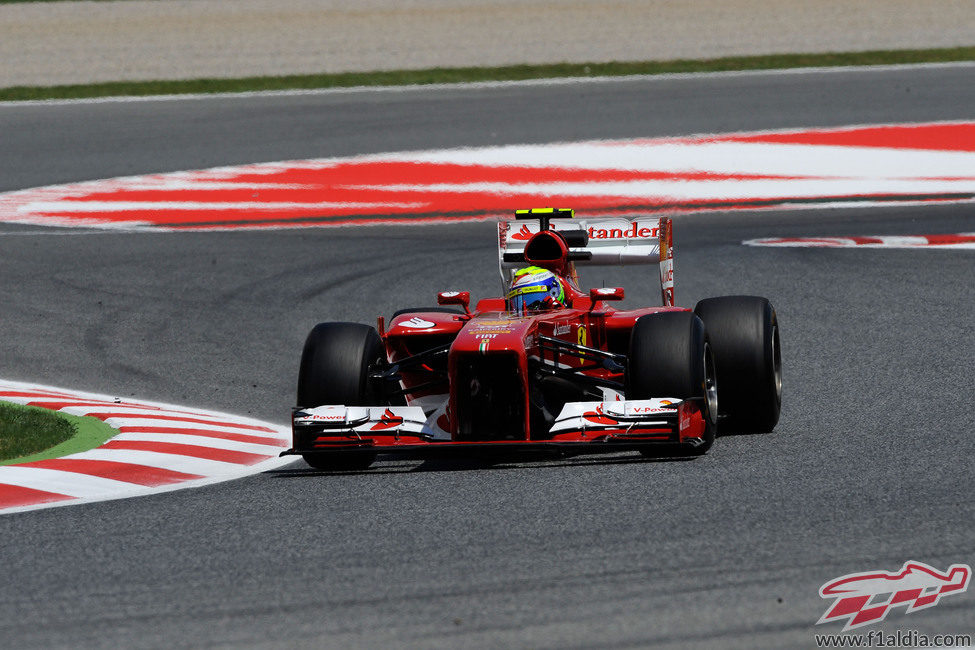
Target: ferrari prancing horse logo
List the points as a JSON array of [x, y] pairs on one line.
[[581, 335]]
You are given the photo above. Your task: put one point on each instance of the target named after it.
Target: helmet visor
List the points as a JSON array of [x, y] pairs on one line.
[[527, 300]]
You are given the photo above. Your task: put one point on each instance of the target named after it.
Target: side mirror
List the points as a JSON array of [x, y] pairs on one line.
[[606, 293], [462, 298]]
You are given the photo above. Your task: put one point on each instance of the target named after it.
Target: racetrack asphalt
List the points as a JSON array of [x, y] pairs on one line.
[[869, 466]]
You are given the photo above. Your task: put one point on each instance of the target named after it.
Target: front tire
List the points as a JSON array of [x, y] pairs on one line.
[[670, 356], [334, 369], [744, 331]]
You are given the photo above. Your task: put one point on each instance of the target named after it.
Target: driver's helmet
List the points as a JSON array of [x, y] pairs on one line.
[[534, 288]]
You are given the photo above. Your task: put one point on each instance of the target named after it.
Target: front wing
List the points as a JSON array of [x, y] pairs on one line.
[[581, 428]]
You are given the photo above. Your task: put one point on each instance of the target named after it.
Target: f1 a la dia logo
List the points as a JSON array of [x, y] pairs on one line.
[[867, 598]]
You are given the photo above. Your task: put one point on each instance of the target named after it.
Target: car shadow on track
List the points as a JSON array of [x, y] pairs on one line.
[[404, 467], [741, 434]]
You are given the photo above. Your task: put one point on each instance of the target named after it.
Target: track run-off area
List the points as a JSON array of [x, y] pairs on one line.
[[164, 286]]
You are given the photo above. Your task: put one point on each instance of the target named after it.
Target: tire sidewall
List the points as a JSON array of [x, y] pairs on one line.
[[745, 339], [335, 365], [667, 358]]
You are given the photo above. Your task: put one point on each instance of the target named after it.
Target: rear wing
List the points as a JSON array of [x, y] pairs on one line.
[[610, 242]]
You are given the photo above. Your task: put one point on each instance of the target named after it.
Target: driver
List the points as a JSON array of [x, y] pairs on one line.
[[535, 289]]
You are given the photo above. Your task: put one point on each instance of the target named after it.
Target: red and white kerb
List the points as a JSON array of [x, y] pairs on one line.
[[159, 447], [946, 242], [863, 165]]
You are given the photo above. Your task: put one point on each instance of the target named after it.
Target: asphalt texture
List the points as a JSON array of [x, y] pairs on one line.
[[869, 467]]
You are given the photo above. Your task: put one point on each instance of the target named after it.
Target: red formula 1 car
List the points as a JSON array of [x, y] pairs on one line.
[[569, 376]]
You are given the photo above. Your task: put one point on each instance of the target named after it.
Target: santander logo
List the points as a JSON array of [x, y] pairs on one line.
[[599, 417], [867, 598], [634, 231], [524, 234], [388, 421]]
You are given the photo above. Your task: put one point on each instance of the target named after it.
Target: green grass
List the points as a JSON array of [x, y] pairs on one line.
[[508, 73], [26, 430], [28, 433]]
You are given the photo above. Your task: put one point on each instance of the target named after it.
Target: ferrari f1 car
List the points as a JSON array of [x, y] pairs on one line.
[[574, 377]]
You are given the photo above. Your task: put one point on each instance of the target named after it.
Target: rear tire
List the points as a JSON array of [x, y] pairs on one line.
[[744, 331], [335, 370], [670, 356]]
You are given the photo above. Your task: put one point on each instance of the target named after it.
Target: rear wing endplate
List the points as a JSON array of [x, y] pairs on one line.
[[613, 241]]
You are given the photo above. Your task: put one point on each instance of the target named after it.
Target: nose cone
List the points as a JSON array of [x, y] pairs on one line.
[[495, 332]]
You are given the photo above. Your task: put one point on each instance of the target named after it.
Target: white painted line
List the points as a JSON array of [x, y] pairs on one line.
[[110, 401], [70, 483], [186, 464], [229, 428], [92, 231], [488, 85], [960, 241], [175, 206], [204, 442], [172, 419], [135, 411]]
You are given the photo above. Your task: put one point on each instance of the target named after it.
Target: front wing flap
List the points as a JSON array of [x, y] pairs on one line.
[[580, 428], [651, 420]]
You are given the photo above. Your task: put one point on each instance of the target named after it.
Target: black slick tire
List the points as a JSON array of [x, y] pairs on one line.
[[744, 332], [334, 369], [670, 356]]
